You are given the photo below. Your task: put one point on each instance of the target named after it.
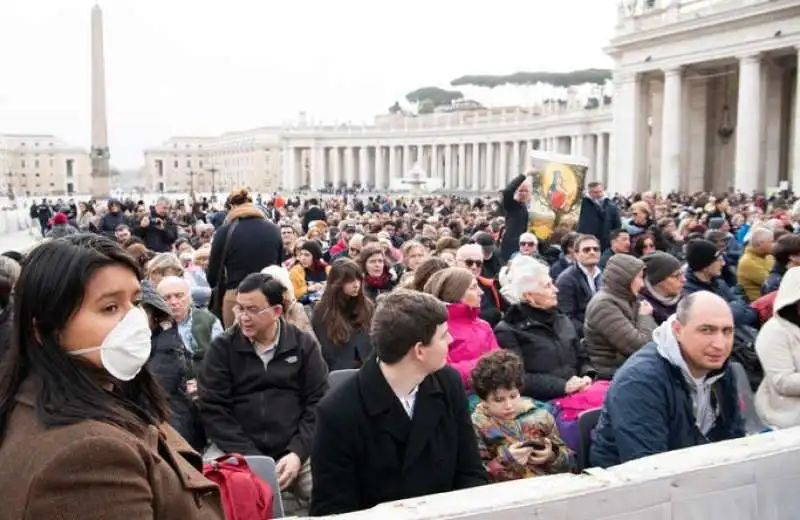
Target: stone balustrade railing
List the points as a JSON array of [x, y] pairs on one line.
[[468, 119], [642, 15]]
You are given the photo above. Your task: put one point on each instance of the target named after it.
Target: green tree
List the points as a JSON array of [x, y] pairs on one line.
[[439, 96], [426, 106], [557, 79]]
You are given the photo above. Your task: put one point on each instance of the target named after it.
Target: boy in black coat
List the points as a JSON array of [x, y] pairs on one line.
[[400, 428]]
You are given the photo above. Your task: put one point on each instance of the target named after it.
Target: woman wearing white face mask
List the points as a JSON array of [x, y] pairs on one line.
[[83, 431]]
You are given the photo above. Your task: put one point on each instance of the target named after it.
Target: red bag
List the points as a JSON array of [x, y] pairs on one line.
[[245, 496]]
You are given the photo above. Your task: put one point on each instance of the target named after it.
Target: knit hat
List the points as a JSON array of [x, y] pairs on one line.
[[60, 218], [153, 299], [700, 254], [313, 247], [659, 266], [449, 285]]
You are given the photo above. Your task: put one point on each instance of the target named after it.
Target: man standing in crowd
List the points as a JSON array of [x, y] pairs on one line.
[[620, 245], [756, 263], [598, 215], [678, 391], [401, 427], [158, 230], [578, 283], [260, 383], [515, 199]]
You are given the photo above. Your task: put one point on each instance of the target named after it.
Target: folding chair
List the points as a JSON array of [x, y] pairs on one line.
[[586, 422], [264, 467], [337, 377], [752, 422]]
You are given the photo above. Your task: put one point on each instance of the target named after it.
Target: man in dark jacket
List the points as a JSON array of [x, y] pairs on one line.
[[260, 382], [401, 427], [578, 283], [515, 200], [314, 212], [676, 392], [598, 215], [158, 231]]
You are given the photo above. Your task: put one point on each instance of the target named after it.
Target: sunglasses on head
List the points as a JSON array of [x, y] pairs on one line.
[[473, 263], [590, 249]]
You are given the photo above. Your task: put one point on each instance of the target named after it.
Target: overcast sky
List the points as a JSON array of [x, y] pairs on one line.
[[203, 67]]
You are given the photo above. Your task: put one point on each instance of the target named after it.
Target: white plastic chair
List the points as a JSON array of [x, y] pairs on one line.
[[264, 467]]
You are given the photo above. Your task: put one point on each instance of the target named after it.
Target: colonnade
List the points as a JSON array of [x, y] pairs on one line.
[[472, 165]]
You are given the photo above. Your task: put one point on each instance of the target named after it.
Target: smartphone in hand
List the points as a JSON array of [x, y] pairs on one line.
[[536, 444]]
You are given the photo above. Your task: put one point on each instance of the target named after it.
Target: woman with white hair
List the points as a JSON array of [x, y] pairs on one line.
[[293, 311], [555, 361]]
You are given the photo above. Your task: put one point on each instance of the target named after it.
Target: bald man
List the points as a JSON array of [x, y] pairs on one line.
[[197, 327], [678, 391]]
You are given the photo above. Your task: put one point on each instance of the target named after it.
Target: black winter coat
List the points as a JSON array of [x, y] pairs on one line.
[[367, 451], [167, 364], [574, 294], [550, 349], [599, 220], [516, 214], [251, 410], [341, 357]]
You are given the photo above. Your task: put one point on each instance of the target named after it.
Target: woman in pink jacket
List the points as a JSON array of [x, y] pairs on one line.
[[472, 336]]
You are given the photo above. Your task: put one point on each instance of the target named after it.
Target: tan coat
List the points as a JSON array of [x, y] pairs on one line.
[[95, 471]]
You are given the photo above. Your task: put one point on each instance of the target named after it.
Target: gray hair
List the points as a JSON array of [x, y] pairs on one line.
[[525, 274], [760, 234]]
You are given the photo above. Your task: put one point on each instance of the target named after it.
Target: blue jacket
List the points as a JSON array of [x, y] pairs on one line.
[[599, 220], [648, 409]]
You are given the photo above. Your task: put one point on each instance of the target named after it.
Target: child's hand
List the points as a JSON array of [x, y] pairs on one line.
[[545, 456], [520, 453]]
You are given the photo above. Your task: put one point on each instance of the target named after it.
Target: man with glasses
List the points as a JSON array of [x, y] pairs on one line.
[[260, 383], [578, 283], [493, 305]]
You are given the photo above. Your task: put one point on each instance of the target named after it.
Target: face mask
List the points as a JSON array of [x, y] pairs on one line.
[[126, 348]]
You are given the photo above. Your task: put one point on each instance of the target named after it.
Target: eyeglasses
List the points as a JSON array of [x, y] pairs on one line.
[[473, 263], [238, 311], [590, 249], [528, 244]]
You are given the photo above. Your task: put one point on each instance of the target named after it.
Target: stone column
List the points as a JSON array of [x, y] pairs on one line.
[[502, 173], [748, 125], [380, 168], [589, 152], [602, 174], [573, 145], [671, 131], [626, 147], [336, 158], [448, 167], [392, 164], [489, 180], [794, 155], [289, 167], [462, 167], [101, 180], [475, 178], [406, 160], [434, 171], [515, 160], [349, 165], [365, 175]]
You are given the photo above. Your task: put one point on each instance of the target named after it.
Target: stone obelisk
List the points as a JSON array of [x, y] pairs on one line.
[[101, 185]]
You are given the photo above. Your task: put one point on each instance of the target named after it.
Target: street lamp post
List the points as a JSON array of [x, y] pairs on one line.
[[213, 171]]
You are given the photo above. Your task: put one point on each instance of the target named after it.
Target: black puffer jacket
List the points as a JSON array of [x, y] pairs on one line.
[[167, 364], [550, 349]]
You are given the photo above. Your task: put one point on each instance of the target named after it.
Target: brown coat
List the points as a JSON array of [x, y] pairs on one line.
[[96, 471]]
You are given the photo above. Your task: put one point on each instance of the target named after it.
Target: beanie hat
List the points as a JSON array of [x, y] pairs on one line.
[[313, 247], [659, 266], [449, 285], [715, 223], [60, 218], [700, 254]]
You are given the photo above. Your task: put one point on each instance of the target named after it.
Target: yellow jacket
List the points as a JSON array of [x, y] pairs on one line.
[[297, 275], [752, 271]]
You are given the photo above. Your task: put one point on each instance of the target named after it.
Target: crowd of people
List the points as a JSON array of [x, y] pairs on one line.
[[137, 340]]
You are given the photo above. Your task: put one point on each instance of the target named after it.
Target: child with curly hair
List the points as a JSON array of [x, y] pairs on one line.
[[517, 436]]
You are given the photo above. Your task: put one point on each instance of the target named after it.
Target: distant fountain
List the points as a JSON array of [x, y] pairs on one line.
[[415, 179]]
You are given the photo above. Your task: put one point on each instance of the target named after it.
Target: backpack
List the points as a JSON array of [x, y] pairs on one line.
[[244, 495]]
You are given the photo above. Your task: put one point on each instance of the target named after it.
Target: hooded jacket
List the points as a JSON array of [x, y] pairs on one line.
[[778, 347], [614, 329], [472, 337], [654, 405]]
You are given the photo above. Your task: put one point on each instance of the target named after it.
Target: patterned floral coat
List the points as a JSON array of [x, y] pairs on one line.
[[495, 436]]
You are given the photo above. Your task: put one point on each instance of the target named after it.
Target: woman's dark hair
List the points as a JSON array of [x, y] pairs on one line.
[[638, 245], [342, 314], [48, 294], [425, 270], [500, 369]]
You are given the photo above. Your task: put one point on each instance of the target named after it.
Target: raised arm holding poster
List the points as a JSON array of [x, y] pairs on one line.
[[556, 191]]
